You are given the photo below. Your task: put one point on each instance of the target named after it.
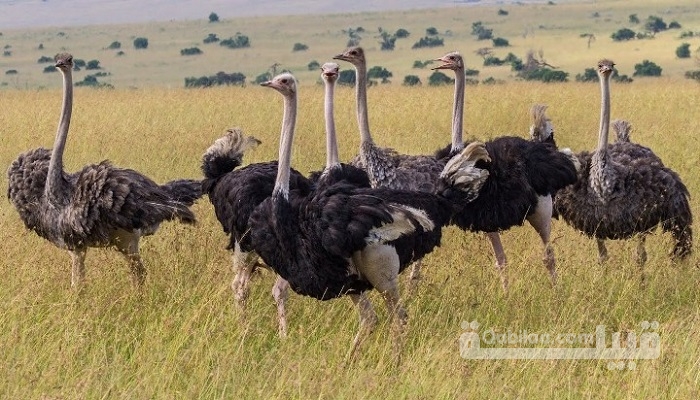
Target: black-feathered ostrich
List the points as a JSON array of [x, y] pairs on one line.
[[235, 192], [99, 206], [523, 175], [620, 195], [342, 239]]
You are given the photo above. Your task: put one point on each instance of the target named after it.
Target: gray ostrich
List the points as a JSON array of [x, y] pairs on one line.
[[99, 206], [619, 195]]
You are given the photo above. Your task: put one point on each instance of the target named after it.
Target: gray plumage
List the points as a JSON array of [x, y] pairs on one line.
[[627, 148], [100, 205], [619, 195], [385, 166]]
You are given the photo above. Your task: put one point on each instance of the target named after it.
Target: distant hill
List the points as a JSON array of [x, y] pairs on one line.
[[23, 14]]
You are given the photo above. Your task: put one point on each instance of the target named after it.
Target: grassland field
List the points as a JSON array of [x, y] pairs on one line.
[[183, 337]]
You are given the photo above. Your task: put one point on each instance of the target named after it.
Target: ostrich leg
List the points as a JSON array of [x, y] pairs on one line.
[[641, 251], [541, 220], [602, 251], [128, 244], [78, 272], [243, 266], [368, 321], [280, 292], [414, 278], [501, 260]]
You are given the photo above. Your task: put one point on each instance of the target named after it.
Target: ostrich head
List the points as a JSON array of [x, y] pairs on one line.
[[453, 61], [354, 55], [541, 129], [330, 71], [605, 68], [283, 83], [64, 61]]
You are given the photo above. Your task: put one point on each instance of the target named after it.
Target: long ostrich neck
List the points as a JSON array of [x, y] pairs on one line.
[[604, 116], [361, 95], [458, 112], [601, 178], [54, 180], [332, 158], [285, 154]]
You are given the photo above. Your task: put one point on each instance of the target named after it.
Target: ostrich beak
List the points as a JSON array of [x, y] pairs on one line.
[[266, 83], [339, 57]]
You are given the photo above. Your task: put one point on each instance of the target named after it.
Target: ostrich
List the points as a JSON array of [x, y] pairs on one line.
[[342, 239], [620, 195], [523, 175], [99, 206], [235, 192]]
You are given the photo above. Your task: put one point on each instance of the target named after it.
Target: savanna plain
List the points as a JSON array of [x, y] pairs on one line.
[[183, 337]]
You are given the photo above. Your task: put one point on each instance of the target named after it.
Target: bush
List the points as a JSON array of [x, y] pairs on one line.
[[45, 59], [431, 31], [378, 72], [646, 68], [191, 51], [683, 51], [695, 75], [438, 78], [236, 42], [634, 19], [300, 47], [79, 62], [471, 72], [674, 25], [220, 79], [11, 72], [428, 42], [623, 34], [590, 75], [655, 24], [211, 38], [481, 32], [120, 53], [411, 80], [347, 77], [213, 17], [502, 12], [313, 65], [7, 53], [493, 61], [49, 68], [265, 76], [402, 33], [140, 43], [93, 64], [687, 34], [500, 42], [41, 46], [91, 81], [418, 64], [114, 45]]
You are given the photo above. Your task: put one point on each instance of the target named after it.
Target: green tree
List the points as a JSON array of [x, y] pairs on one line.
[[402, 33], [431, 31], [300, 47], [655, 24], [236, 42], [411, 80], [93, 64], [683, 51], [623, 34], [313, 65], [347, 77], [438, 78], [211, 38], [115, 45], [500, 42], [213, 17], [141, 43], [191, 51], [633, 19], [502, 12], [647, 68], [378, 72]]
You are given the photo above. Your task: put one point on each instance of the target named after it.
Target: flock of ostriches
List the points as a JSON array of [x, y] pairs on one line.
[[352, 227]]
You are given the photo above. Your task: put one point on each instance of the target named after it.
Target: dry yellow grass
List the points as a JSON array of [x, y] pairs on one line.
[[183, 338]]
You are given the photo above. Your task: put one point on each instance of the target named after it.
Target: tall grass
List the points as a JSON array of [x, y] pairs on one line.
[[182, 337]]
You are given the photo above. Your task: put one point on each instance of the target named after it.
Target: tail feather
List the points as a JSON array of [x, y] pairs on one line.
[[185, 191], [226, 153], [461, 172], [622, 130]]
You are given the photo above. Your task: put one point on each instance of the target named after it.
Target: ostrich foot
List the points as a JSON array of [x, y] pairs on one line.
[[368, 321], [501, 269]]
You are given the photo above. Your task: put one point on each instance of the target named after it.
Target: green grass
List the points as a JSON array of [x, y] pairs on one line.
[[183, 337], [553, 30]]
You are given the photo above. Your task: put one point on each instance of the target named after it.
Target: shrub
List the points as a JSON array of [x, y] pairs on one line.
[[93, 64], [493, 61], [646, 68], [236, 42], [347, 77], [544, 75], [438, 78], [674, 25], [687, 34], [191, 51], [589, 75], [140, 43], [313, 65], [623, 34], [388, 42], [11, 72], [213, 17], [502, 12], [7, 53], [265, 76], [91, 81], [41, 46], [79, 62], [655, 24], [471, 72], [633, 19], [695, 75], [481, 32], [120, 53], [49, 68], [428, 42], [500, 42], [418, 64], [45, 59], [431, 31], [114, 45], [300, 47], [411, 80], [221, 78], [378, 72], [683, 51], [211, 38], [402, 33]]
